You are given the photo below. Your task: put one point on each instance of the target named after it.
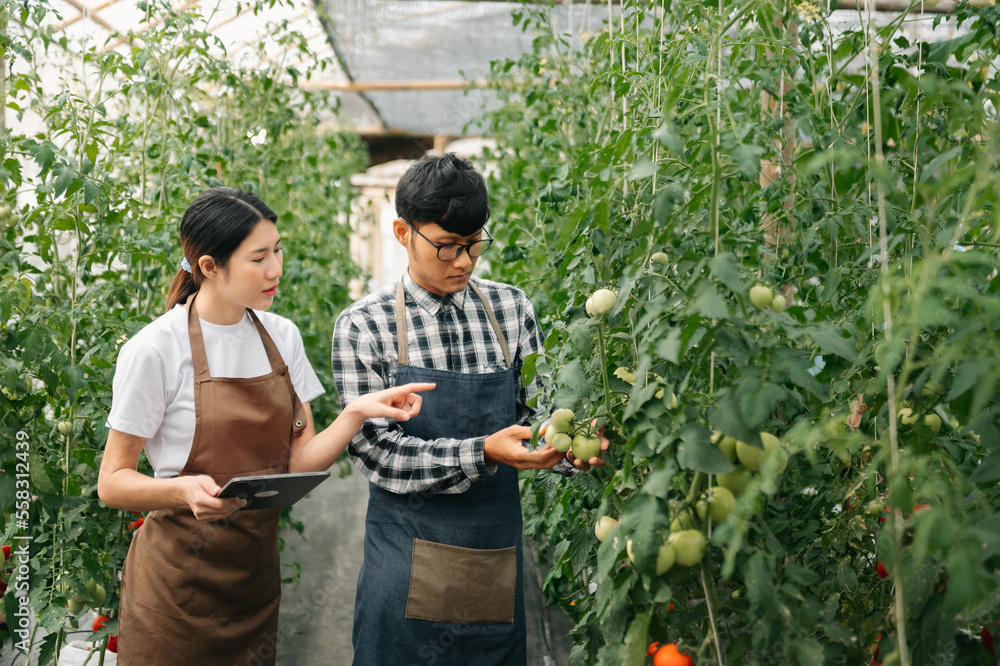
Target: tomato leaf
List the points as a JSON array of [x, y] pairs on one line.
[[636, 640], [809, 650], [831, 340], [988, 471], [758, 404], [698, 453], [528, 369], [669, 346], [708, 303], [726, 268], [725, 416]]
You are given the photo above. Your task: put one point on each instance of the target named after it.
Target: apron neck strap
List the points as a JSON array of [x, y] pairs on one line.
[[199, 359], [273, 356], [401, 341], [493, 322], [401, 347]]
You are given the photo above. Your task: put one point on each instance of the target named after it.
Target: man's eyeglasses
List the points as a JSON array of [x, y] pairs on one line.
[[451, 251]]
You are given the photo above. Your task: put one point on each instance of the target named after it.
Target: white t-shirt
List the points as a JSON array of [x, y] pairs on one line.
[[154, 378]]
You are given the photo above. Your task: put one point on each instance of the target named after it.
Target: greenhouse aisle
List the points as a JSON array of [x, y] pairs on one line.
[[316, 613]]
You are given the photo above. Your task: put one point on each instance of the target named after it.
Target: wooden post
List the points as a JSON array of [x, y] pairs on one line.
[[771, 172], [440, 143]]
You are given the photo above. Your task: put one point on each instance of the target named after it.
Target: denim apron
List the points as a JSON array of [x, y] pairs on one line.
[[440, 582]]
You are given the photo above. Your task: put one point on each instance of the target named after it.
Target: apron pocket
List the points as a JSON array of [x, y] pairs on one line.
[[461, 585]]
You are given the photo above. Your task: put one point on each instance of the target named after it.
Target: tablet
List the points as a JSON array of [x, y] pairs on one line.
[[269, 491]]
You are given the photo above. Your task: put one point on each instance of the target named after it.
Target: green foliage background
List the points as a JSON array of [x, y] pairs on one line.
[[876, 219], [88, 237]]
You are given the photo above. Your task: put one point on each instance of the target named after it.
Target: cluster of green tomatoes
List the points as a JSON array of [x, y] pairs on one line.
[[686, 545], [564, 432]]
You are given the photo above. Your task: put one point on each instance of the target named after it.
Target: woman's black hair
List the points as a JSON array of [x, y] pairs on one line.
[[445, 189], [215, 223]]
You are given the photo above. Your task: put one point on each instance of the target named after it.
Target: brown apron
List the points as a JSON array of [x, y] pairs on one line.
[[207, 593]]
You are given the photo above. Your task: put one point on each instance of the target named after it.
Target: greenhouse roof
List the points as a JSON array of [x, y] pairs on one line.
[[399, 67]]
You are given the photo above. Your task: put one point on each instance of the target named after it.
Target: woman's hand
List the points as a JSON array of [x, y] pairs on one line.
[[200, 493], [399, 403]]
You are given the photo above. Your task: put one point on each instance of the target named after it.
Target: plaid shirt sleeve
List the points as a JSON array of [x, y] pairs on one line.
[[381, 450]]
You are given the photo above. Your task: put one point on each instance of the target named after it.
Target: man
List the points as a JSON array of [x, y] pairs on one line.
[[441, 578]]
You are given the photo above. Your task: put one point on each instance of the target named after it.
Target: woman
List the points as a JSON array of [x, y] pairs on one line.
[[213, 390]]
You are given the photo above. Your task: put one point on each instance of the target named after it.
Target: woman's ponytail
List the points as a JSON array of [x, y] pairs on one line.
[[181, 287]]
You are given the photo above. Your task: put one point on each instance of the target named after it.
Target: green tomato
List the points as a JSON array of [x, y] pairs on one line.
[[772, 444], [750, 456], [719, 504], [931, 389], [906, 416], [65, 427], [603, 527], [778, 303], [933, 421], [562, 420], [728, 446], [96, 593], [688, 546], [681, 522], [75, 605], [559, 441], [601, 303], [736, 481], [660, 258], [761, 296], [586, 447], [665, 559]]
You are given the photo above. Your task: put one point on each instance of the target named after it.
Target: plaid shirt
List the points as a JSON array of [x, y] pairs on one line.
[[445, 333]]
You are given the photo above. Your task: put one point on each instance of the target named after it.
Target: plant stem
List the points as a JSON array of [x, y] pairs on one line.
[[604, 379], [709, 587], [893, 472]]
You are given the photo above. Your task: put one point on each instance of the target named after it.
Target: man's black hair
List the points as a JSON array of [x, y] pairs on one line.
[[445, 189]]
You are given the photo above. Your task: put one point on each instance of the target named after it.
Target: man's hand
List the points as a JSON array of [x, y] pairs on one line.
[[596, 461], [507, 447]]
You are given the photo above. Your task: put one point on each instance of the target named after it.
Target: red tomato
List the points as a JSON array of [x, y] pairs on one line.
[[669, 655], [987, 640], [654, 646], [113, 644], [136, 524], [99, 622], [6, 553], [881, 570]]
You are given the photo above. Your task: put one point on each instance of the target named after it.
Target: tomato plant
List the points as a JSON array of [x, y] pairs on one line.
[[798, 218], [89, 203]]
